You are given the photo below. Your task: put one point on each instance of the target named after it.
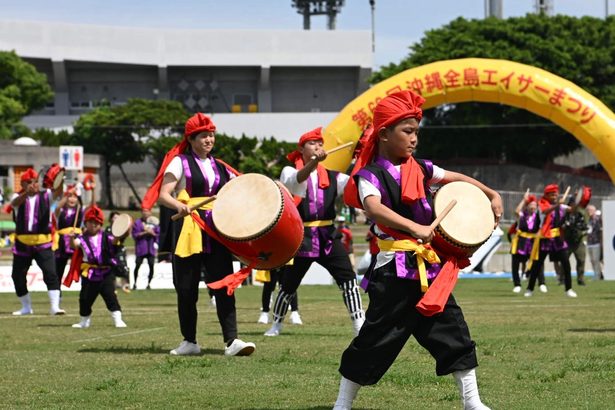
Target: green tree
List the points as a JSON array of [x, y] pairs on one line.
[[120, 133], [22, 90], [581, 50]]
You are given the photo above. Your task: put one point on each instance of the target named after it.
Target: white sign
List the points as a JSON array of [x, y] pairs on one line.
[[71, 157], [608, 239]]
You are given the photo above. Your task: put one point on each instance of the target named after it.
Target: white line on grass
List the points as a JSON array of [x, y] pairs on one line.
[[118, 335]]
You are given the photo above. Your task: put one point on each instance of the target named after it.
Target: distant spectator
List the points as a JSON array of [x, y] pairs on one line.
[[594, 240]]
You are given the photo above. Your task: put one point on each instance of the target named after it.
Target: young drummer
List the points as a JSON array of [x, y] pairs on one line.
[[525, 239], [69, 218], [94, 258], [33, 241], [552, 242], [315, 189], [190, 169], [393, 189]]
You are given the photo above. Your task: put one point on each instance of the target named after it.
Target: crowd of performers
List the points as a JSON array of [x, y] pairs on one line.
[[554, 227], [409, 283]]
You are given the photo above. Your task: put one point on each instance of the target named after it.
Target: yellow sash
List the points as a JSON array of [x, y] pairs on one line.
[[422, 254], [190, 239], [263, 275], [312, 224], [535, 254], [521, 234], [34, 239], [63, 231], [85, 267]]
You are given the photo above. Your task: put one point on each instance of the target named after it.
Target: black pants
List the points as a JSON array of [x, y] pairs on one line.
[[45, 260], [517, 262], [337, 263], [392, 318], [269, 287], [90, 291], [186, 278], [60, 265], [150, 263], [559, 256]]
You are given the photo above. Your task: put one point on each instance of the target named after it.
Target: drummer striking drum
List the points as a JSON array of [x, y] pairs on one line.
[[32, 215], [190, 169], [393, 189], [315, 189]]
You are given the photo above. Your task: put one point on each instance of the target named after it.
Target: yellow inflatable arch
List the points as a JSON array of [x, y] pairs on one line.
[[486, 80]]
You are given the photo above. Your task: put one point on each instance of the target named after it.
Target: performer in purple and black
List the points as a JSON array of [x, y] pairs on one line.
[[93, 264], [33, 241], [190, 174], [552, 242], [69, 218], [409, 282], [525, 239], [315, 189], [146, 245]]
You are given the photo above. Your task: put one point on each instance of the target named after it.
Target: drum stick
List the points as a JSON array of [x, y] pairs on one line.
[[196, 206], [339, 147], [565, 194], [440, 217], [77, 215]]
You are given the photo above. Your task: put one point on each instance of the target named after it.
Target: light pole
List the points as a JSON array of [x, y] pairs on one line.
[[372, 4]]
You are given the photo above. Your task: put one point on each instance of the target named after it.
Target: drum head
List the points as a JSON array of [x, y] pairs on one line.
[[247, 206], [58, 180], [121, 225], [471, 220], [152, 220]]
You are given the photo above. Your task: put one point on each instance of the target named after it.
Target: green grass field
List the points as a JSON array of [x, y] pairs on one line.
[[546, 352]]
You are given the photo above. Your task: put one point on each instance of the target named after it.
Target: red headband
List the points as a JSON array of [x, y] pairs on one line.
[[199, 122], [29, 174], [396, 107], [531, 198], [552, 188], [94, 213]]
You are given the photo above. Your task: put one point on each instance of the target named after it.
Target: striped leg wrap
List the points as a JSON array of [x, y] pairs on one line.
[[352, 299], [281, 306]]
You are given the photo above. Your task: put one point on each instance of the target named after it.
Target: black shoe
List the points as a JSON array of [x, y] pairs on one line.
[[147, 288], [134, 287], [581, 282]]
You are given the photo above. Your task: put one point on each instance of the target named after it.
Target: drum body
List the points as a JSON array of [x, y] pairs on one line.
[[54, 177], [584, 195], [121, 226], [257, 219], [468, 225]]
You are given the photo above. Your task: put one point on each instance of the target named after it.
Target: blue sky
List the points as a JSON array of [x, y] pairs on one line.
[[398, 22]]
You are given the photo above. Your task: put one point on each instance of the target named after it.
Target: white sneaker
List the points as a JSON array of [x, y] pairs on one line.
[[571, 293], [295, 318], [543, 288], [263, 318], [23, 312], [517, 289], [186, 348], [83, 324], [117, 319], [275, 329], [239, 348], [528, 293], [57, 312]]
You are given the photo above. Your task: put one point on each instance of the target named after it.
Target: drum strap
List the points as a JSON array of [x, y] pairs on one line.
[[190, 240], [312, 224], [34, 239], [64, 231], [421, 252]]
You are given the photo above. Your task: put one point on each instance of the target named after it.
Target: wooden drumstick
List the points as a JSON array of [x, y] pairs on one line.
[[193, 207], [563, 200], [440, 217], [339, 147], [77, 215]]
